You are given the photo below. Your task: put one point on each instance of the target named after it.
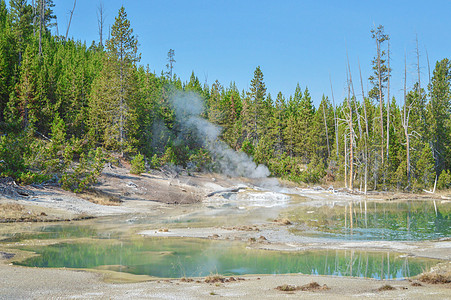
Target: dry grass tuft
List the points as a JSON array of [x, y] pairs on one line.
[[101, 198], [283, 221], [440, 274], [435, 278], [416, 284], [215, 278], [386, 287], [310, 287], [314, 286], [287, 288]]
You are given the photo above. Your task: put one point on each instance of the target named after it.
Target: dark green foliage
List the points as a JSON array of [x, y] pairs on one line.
[[138, 165], [59, 110], [85, 172], [12, 147], [444, 180]]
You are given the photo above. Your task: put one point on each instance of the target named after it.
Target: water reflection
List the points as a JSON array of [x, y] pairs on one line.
[[177, 257], [408, 220]]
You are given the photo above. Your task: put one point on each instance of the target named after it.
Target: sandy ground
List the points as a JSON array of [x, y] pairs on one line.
[[26, 283], [157, 193]]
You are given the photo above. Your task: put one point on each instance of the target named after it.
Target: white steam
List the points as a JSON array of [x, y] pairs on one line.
[[188, 107]]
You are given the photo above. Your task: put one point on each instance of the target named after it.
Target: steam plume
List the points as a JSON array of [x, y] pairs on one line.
[[188, 107]]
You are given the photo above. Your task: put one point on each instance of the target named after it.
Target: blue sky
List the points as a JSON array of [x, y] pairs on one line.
[[293, 41]]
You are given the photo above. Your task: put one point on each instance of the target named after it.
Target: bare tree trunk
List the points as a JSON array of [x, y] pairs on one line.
[[351, 140], [335, 117], [388, 102], [346, 163], [70, 19], [366, 130], [418, 68], [100, 21], [34, 5], [429, 66], [42, 12], [406, 123], [327, 134], [381, 101]]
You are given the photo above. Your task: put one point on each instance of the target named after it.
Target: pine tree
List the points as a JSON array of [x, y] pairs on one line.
[[276, 125], [114, 91], [304, 136], [6, 59], [439, 115], [379, 79], [216, 108], [21, 18], [254, 123]]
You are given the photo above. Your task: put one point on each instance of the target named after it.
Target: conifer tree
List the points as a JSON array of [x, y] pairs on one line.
[[21, 18], [379, 79], [116, 84], [439, 115], [255, 119]]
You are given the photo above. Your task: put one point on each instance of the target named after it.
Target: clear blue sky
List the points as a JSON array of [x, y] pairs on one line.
[[293, 41]]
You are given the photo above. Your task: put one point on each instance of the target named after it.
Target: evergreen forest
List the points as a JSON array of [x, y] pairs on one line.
[[67, 108]]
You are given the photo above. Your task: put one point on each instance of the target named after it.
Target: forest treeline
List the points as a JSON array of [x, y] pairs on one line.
[[65, 107]]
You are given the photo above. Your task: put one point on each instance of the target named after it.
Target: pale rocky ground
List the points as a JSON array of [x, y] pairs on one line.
[[165, 194]]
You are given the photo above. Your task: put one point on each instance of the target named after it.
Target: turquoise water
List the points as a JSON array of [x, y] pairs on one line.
[[399, 221], [181, 257]]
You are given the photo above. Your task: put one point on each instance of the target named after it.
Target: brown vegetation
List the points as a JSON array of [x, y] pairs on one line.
[[310, 287], [99, 197], [283, 221], [435, 278], [386, 287], [216, 278]]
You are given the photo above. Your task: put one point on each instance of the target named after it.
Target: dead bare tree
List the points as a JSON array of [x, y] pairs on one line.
[[100, 21], [351, 137], [429, 66], [417, 50], [34, 5], [41, 23], [366, 131], [70, 19], [353, 99], [327, 134], [335, 117], [379, 79], [405, 122], [388, 101]]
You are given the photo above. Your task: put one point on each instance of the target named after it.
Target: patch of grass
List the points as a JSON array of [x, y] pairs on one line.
[[287, 288], [312, 286], [283, 221], [214, 278], [386, 287], [435, 278], [440, 274], [101, 198], [416, 284]]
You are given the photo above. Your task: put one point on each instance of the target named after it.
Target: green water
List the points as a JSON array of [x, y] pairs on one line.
[[408, 220], [180, 257], [54, 232]]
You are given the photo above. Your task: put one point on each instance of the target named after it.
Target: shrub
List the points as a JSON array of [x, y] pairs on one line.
[[444, 180], [138, 165], [85, 173], [155, 162], [12, 149]]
